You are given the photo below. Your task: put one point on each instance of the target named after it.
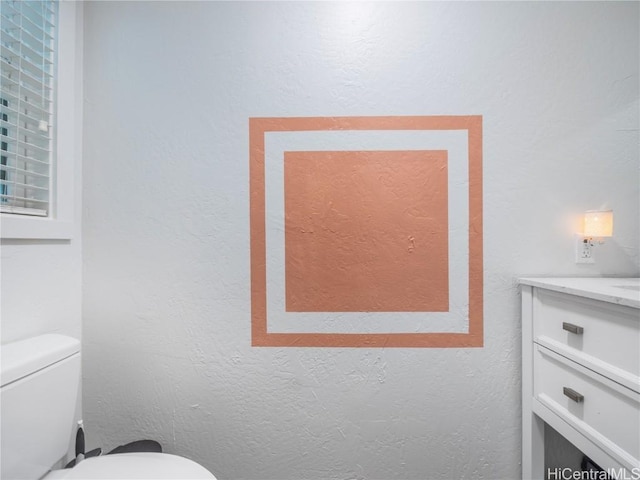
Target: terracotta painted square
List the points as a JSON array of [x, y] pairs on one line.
[[366, 231], [260, 334]]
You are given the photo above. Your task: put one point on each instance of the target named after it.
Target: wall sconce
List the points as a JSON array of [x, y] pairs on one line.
[[598, 224]]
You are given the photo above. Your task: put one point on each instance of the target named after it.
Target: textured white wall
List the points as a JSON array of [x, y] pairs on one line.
[[169, 90], [40, 288]]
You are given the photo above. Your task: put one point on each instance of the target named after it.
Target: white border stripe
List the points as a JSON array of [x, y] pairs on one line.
[[454, 321]]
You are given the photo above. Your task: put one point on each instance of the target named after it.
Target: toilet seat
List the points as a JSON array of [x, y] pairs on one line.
[[138, 466]]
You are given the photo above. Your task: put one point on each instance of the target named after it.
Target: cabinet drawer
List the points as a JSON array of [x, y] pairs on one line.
[[594, 405], [602, 330]]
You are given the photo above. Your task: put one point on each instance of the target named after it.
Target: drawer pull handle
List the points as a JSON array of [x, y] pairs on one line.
[[572, 394], [570, 327]]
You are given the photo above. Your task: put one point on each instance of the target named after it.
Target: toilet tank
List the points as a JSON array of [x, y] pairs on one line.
[[40, 377]]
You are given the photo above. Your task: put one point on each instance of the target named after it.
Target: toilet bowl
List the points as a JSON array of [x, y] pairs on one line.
[[139, 466], [39, 386]]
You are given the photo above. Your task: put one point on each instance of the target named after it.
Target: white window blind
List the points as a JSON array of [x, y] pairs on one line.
[[27, 54]]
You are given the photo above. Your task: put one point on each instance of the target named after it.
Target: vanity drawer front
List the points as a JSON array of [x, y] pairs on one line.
[[599, 329], [586, 400]]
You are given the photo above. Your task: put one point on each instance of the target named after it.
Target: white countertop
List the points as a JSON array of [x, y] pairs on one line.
[[622, 291]]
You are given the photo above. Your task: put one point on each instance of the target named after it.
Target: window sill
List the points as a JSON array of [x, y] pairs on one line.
[[33, 228]]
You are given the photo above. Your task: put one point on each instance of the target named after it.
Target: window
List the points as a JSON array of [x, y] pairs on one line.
[[62, 220], [27, 56]]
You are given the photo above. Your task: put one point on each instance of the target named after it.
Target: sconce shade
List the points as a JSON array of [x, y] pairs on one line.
[[598, 224]]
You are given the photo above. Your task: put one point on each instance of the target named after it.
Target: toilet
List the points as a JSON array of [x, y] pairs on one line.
[[39, 378]]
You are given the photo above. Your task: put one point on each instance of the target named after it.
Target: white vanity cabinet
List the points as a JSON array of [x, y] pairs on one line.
[[581, 369]]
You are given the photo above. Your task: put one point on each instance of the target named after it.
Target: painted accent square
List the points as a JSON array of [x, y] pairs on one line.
[[471, 254], [366, 231]]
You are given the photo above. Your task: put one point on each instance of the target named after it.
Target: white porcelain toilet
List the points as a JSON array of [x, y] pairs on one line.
[[40, 378]]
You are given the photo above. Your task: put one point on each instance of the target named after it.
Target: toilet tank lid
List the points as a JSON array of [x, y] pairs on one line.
[[25, 357]]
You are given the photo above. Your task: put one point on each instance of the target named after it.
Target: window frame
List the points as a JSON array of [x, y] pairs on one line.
[[67, 142]]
